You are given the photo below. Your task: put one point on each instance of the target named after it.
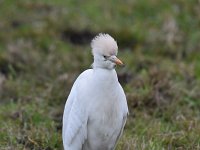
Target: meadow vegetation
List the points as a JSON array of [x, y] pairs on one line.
[[44, 45]]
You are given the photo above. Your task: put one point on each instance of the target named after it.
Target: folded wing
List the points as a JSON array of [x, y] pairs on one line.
[[74, 123]]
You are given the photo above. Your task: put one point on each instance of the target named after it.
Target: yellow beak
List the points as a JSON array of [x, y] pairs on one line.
[[118, 61]]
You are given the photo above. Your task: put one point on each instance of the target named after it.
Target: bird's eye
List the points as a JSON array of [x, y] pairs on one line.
[[105, 57]]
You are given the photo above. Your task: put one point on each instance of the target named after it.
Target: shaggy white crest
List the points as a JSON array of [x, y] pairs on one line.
[[104, 44]]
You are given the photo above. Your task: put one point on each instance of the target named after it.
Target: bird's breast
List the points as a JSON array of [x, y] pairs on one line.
[[106, 114], [104, 124]]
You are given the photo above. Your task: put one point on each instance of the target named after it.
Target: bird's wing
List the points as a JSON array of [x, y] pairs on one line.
[[75, 118], [74, 125], [121, 130], [123, 100], [124, 107]]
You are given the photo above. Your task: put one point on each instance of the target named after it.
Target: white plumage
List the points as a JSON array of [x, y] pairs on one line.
[[96, 109]]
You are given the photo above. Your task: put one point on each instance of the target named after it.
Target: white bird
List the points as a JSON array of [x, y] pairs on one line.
[[96, 109]]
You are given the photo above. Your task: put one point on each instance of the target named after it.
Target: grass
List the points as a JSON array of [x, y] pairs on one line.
[[44, 45]]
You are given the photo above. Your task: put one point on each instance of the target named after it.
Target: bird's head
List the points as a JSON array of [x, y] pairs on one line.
[[104, 50]]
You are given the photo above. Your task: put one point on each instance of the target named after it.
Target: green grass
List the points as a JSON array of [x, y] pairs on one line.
[[44, 45]]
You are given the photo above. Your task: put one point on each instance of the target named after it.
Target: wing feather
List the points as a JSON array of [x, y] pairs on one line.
[[75, 118], [74, 126]]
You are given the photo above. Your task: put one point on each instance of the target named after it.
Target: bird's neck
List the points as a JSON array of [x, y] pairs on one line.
[[102, 65], [105, 75]]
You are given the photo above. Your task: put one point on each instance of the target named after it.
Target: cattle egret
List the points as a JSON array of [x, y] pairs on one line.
[[96, 109]]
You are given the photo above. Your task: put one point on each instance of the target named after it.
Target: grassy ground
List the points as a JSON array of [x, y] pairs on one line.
[[44, 45]]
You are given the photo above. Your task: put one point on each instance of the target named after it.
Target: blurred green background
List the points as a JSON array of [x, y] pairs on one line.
[[45, 45]]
